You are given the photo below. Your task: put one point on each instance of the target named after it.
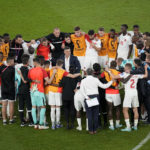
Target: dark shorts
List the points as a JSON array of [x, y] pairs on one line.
[[10, 97]]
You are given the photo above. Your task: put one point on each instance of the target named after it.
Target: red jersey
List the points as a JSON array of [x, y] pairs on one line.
[[39, 74]]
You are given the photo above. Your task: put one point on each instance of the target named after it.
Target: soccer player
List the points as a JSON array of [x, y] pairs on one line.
[[79, 104], [68, 43], [16, 48], [112, 46], [135, 52], [44, 49], [131, 95], [55, 91], [113, 97], [103, 53], [125, 43], [136, 31], [8, 89], [4, 48], [38, 75], [24, 92], [93, 46], [56, 38], [6, 38], [78, 40]]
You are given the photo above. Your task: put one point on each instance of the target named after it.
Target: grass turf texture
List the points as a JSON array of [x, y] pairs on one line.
[[34, 19]]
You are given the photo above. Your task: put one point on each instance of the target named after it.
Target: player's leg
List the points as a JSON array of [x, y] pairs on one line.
[[110, 110], [41, 102], [52, 103], [117, 104], [29, 108], [58, 109], [4, 111], [11, 111], [21, 109], [126, 117], [95, 118], [87, 63], [136, 117]]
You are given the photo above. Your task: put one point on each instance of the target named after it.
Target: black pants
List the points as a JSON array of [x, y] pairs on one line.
[[25, 99], [92, 115], [69, 111]]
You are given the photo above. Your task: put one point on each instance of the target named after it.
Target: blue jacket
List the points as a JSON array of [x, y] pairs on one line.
[[73, 62]]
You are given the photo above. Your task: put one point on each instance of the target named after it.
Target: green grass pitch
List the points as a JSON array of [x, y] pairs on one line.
[[36, 18]]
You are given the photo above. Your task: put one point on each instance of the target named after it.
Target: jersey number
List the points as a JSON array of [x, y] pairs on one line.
[[112, 44], [132, 86], [78, 43]]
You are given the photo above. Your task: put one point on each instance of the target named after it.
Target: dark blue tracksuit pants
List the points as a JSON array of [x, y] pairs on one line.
[[92, 115]]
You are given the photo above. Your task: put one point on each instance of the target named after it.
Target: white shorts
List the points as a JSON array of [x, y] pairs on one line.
[[55, 99], [103, 60], [110, 60], [81, 60], [131, 100], [89, 62], [79, 101], [113, 98]]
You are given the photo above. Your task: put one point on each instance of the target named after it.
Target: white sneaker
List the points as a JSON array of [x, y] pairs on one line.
[[36, 126], [79, 128], [43, 127]]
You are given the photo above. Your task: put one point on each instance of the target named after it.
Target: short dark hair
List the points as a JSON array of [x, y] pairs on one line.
[[91, 32], [113, 64], [5, 34], [9, 58], [66, 48], [44, 39], [1, 53], [31, 50], [72, 69], [139, 44], [128, 65], [37, 60], [113, 30], [46, 62], [96, 67], [77, 28], [89, 71], [101, 29], [41, 59], [137, 61], [59, 62], [67, 35], [18, 36], [135, 26], [125, 25], [25, 59]]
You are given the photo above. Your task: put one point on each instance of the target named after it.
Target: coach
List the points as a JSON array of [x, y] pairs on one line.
[[89, 88], [70, 60]]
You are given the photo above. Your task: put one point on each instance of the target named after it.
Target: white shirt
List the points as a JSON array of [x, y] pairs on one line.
[[67, 63], [89, 86], [90, 51], [123, 48], [131, 85], [25, 49]]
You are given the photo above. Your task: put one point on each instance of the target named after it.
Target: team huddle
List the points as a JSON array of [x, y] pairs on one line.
[[79, 71]]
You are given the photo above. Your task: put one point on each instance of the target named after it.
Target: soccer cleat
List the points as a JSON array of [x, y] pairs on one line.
[[36, 126], [4, 123], [79, 128], [119, 126], [134, 128], [59, 126], [111, 128], [43, 127], [11, 122], [53, 127], [23, 124], [126, 130], [30, 124]]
